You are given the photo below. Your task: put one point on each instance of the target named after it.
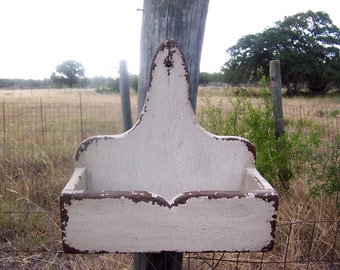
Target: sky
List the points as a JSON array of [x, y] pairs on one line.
[[38, 35]]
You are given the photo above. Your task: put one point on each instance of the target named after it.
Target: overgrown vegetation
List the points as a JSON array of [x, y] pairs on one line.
[[278, 159], [324, 170]]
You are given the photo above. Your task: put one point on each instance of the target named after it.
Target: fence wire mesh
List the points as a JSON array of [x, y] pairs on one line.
[[22, 248], [38, 141]]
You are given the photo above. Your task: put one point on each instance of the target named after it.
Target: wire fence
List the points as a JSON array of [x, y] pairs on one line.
[[37, 144], [32, 253], [45, 123]]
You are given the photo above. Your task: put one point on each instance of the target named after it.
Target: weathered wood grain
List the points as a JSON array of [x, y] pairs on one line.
[[182, 21]]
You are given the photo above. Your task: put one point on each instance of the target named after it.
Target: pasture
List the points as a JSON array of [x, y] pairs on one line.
[[40, 131]]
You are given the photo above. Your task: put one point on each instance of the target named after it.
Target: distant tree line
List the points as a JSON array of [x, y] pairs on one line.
[[69, 74], [210, 78], [72, 74], [25, 84], [107, 84]]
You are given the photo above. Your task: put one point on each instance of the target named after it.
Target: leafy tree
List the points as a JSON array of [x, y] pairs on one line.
[[306, 45], [69, 72]]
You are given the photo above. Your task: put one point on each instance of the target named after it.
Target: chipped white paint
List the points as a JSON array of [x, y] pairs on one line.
[[199, 224], [77, 182], [167, 155]]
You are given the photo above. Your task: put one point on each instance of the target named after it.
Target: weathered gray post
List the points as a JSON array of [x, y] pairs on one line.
[[4, 124], [184, 22], [125, 95], [276, 85]]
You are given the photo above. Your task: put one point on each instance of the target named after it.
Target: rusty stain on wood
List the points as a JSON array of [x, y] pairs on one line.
[[155, 199]]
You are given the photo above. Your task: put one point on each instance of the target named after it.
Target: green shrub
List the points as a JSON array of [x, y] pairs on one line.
[[324, 171], [278, 159]]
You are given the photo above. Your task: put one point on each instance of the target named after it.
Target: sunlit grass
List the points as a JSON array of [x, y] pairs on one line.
[[40, 131]]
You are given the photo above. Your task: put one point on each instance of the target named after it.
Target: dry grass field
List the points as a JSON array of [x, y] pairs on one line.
[[40, 131]]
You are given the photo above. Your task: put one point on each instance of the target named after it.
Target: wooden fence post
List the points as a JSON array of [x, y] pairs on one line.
[[125, 95], [276, 85], [184, 22], [81, 117], [42, 122], [4, 121]]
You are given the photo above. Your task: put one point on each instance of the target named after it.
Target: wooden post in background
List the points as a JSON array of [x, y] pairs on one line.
[[276, 85], [4, 128], [81, 118], [124, 89], [42, 122], [183, 22]]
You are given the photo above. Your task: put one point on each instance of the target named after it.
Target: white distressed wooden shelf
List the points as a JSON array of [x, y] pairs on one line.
[[167, 184]]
